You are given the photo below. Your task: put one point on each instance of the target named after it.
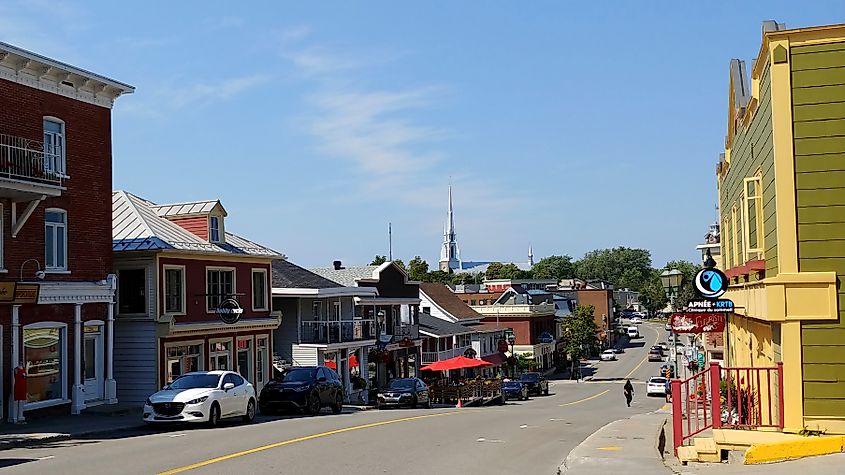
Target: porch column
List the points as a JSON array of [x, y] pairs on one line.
[[111, 384], [15, 415], [344, 358], [78, 397]]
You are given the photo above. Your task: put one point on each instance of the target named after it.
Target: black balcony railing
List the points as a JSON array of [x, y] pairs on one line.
[[26, 160], [318, 331]]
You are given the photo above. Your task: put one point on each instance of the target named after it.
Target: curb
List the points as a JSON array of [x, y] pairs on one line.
[[794, 449], [25, 442]]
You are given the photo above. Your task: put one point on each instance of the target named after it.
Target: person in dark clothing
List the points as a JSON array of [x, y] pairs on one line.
[[629, 392]]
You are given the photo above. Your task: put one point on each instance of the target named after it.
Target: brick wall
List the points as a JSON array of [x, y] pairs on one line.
[[87, 199]]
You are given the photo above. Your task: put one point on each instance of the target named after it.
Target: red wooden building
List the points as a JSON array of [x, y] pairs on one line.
[[56, 282], [179, 274]]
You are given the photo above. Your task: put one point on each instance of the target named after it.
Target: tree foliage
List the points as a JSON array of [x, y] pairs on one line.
[[378, 260], [401, 264], [497, 270], [579, 334], [417, 269], [554, 267], [622, 266], [687, 291], [652, 296]]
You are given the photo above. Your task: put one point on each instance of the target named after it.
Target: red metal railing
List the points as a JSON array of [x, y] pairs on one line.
[[726, 397]]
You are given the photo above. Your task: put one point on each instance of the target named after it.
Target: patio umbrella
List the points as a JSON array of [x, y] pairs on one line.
[[353, 361], [458, 362], [331, 364]]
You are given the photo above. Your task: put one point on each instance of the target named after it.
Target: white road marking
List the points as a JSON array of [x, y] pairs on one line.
[[48, 457], [175, 435], [523, 426], [481, 439]]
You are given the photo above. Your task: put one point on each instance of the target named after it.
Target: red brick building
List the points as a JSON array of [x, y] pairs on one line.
[[56, 281], [179, 275]]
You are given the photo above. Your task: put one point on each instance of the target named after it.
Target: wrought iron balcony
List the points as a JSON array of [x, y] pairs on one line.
[[26, 166], [432, 356], [320, 331]]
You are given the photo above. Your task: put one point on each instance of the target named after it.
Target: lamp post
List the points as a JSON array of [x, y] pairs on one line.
[[511, 340], [671, 280]]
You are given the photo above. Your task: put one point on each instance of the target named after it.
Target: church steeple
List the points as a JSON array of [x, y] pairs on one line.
[[530, 256], [449, 254]]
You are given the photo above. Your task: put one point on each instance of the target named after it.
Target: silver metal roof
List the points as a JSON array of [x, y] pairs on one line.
[[136, 226], [348, 276], [190, 208]]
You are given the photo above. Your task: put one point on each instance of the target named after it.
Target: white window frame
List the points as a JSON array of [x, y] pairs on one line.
[[234, 283], [60, 165], [252, 348], [266, 306], [64, 333], [220, 230], [265, 367], [755, 200], [202, 358], [55, 250], [181, 270], [213, 354]]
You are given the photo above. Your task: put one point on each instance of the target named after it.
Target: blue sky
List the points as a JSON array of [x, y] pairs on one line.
[[570, 126]]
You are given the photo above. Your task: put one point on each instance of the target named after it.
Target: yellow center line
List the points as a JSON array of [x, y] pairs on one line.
[[643, 361], [302, 439], [586, 398]]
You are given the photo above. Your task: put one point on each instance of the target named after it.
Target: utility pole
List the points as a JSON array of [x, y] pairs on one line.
[[390, 241]]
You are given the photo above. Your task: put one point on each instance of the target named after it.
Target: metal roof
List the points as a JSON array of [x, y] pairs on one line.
[[136, 226], [289, 275], [440, 327], [347, 276], [190, 208]]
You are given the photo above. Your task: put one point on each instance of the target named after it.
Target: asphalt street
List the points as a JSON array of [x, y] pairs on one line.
[[530, 437]]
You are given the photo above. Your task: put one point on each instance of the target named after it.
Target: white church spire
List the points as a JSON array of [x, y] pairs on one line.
[[449, 254]]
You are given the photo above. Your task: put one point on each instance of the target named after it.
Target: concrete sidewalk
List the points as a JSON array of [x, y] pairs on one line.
[[52, 429], [631, 446]]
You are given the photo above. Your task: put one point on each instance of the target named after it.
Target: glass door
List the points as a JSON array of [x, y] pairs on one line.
[[92, 362]]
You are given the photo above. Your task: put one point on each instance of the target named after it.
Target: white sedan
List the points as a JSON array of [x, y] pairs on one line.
[[636, 320], [656, 385], [608, 355], [203, 396]]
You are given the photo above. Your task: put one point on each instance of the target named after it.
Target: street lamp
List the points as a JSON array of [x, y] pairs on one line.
[[671, 280], [511, 340]]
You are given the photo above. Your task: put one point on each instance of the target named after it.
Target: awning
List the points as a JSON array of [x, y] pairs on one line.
[[496, 359], [458, 362], [353, 363]]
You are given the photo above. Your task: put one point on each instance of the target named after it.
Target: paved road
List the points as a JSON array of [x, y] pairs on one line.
[[524, 437]]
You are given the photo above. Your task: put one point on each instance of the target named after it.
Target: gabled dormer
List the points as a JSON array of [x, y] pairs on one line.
[[204, 219]]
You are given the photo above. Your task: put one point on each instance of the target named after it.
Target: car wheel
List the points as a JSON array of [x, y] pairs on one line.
[[337, 407], [214, 415], [313, 405], [428, 403], [249, 416], [546, 391]]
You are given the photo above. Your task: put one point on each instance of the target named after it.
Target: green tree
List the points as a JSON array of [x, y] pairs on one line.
[[622, 266], [438, 276], [417, 269], [652, 296], [378, 260], [579, 335], [687, 291], [401, 264], [554, 267], [494, 270]]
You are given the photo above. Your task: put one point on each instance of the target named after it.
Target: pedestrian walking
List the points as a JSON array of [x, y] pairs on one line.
[[668, 390], [629, 392]]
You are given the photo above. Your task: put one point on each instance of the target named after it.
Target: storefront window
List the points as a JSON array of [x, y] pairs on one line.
[[220, 353], [43, 353], [245, 359], [183, 359], [260, 360]]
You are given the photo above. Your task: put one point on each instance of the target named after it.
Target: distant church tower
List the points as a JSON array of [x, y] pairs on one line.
[[530, 256], [450, 256]]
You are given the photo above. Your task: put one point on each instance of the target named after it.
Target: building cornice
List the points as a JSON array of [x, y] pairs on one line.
[[76, 292]]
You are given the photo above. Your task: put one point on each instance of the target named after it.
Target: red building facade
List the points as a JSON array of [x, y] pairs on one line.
[[56, 282]]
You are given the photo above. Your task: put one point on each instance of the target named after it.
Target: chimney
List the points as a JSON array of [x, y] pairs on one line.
[[337, 265]]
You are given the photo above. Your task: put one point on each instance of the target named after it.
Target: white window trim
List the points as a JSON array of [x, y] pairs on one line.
[[748, 251], [65, 398], [63, 158], [56, 269], [117, 293], [165, 268], [221, 232], [252, 350], [232, 347], [168, 345], [266, 369], [266, 307], [234, 283]]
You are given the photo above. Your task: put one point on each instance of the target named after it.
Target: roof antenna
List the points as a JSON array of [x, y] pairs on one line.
[[390, 241]]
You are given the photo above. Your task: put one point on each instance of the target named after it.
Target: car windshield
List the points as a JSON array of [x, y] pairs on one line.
[[530, 377], [194, 381], [658, 380], [512, 384], [297, 375], [403, 384]]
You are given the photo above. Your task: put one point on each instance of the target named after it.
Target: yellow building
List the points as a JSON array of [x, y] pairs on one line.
[[782, 213]]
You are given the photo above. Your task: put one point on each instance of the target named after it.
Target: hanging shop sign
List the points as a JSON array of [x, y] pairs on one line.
[[711, 283], [229, 311], [710, 306], [697, 322]]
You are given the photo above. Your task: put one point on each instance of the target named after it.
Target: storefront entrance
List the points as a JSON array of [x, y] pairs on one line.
[[92, 362]]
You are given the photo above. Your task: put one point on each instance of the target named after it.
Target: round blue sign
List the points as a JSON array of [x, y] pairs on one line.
[[711, 283]]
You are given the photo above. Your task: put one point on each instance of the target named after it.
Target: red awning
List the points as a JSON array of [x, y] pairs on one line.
[[331, 364], [458, 362], [496, 359], [353, 361]]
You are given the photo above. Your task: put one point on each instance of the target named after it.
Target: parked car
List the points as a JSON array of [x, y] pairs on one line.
[[656, 385], [655, 355], [410, 392], [306, 388], [668, 327], [608, 355], [515, 390], [633, 332], [619, 350], [664, 345], [628, 313], [536, 383], [202, 396], [636, 320], [657, 348]]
